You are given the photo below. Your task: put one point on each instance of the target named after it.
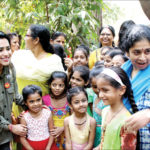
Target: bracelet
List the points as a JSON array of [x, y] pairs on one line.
[[10, 127]]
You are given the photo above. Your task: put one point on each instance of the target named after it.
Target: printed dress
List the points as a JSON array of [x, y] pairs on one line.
[[38, 130], [59, 114]]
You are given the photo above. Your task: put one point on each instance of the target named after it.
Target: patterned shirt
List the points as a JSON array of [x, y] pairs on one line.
[[144, 103]]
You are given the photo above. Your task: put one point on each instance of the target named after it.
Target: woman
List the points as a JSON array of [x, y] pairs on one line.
[[14, 41], [58, 38], [35, 65], [137, 46], [106, 38]]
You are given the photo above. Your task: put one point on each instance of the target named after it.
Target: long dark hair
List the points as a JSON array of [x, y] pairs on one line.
[[60, 75], [43, 34], [123, 30]]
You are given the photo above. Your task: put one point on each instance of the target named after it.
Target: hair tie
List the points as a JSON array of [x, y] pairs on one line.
[[112, 74]]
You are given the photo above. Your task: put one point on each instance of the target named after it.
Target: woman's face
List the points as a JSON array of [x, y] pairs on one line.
[[139, 54], [106, 37], [60, 40], [15, 43], [29, 40]]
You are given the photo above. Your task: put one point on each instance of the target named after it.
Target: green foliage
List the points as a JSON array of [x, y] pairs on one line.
[[76, 18]]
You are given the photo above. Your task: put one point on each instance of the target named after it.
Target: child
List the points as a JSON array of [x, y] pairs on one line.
[[80, 77], [57, 102], [38, 121], [109, 55], [137, 47], [114, 85], [98, 104], [80, 58], [119, 60], [79, 127]]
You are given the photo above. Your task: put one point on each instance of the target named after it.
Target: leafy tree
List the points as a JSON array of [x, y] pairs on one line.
[[76, 18]]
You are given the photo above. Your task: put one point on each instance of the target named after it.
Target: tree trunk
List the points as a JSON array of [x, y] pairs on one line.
[[146, 7]]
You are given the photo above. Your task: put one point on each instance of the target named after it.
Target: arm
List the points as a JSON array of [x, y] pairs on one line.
[[51, 139], [69, 64], [138, 120], [23, 139], [67, 134], [128, 139], [17, 97], [17, 129], [91, 134]]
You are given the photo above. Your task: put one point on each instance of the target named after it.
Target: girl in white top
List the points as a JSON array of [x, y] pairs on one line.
[[38, 120]]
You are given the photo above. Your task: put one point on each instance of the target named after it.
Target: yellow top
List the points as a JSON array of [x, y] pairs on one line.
[[29, 70], [94, 57], [79, 136]]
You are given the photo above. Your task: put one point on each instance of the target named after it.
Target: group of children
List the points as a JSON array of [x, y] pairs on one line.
[[85, 109]]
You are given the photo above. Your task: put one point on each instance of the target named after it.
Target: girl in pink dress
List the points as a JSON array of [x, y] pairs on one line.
[[38, 120], [57, 102]]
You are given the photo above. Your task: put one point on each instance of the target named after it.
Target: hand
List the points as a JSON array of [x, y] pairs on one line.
[[98, 111], [21, 115], [56, 131], [97, 148], [68, 63], [19, 129], [138, 120]]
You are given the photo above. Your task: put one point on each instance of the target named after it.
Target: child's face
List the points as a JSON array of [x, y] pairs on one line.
[[117, 61], [107, 93], [139, 54], [76, 80], [94, 85], [79, 103], [79, 59], [107, 61], [103, 53], [57, 86], [34, 103]]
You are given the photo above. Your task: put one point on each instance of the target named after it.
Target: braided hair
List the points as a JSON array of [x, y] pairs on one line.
[[124, 78]]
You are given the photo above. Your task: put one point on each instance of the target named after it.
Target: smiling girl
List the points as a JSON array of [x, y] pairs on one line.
[[79, 127], [38, 121]]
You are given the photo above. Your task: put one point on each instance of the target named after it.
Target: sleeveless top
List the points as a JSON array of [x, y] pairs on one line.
[[59, 114], [113, 129], [38, 129], [79, 136]]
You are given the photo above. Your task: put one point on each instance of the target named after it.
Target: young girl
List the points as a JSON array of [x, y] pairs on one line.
[[80, 77], [79, 127], [38, 121], [98, 104], [109, 55], [114, 85], [57, 102], [79, 58]]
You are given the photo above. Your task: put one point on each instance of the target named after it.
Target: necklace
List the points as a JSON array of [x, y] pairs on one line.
[[105, 125], [79, 124]]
